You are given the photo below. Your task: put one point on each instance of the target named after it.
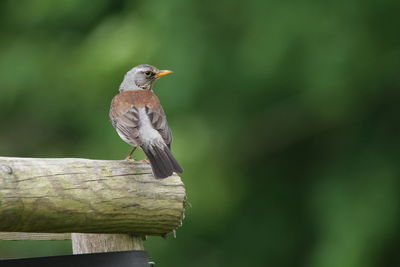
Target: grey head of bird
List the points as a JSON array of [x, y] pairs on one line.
[[142, 77]]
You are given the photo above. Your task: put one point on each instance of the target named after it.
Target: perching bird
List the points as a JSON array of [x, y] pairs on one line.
[[138, 117]]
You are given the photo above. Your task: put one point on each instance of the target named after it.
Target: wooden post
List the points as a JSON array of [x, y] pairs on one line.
[[108, 205], [92, 243]]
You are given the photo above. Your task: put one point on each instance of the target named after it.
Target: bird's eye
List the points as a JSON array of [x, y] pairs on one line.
[[148, 73]]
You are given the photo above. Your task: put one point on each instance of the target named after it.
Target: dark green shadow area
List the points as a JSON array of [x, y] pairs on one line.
[[26, 249]]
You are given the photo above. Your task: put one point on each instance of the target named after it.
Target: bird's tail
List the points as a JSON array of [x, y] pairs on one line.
[[162, 161]]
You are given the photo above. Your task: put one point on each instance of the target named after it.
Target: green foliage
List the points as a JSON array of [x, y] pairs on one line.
[[284, 116]]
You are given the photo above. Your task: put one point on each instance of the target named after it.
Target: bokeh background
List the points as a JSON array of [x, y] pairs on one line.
[[284, 113]]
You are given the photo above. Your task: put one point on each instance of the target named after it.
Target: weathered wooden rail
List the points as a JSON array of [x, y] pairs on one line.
[[117, 202]]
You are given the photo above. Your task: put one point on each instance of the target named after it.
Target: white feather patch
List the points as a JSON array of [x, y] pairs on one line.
[[147, 134]]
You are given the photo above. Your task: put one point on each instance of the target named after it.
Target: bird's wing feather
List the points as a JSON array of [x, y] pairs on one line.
[[125, 119], [159, 121]]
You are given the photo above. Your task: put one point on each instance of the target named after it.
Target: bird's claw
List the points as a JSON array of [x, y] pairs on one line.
[[129, 158]]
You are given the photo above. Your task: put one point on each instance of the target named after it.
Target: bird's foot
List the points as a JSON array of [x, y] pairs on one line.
[[129, 157], [145, 161]]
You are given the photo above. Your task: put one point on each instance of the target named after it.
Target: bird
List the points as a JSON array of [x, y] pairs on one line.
[[139, 119]]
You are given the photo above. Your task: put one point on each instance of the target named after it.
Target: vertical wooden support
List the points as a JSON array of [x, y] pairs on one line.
[[95, 243]]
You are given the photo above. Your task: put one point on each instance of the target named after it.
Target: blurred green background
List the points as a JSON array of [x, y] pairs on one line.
[[284, 114]]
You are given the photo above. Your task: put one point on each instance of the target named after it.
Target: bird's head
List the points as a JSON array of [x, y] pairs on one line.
[[142, 77]]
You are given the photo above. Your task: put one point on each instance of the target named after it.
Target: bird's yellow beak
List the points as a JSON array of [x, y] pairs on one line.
[[163, 73]]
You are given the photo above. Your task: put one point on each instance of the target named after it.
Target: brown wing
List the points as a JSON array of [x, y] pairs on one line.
[[125, 119]]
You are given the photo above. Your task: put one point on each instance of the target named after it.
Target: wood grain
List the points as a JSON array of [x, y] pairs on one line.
[[94, 243], [87, 196], [20, 236]]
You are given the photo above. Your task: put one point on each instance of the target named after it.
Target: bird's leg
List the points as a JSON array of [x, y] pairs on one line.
[[146, 160], [129, 157]]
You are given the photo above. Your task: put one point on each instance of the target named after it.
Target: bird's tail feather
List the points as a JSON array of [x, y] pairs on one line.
[[162, 161]]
